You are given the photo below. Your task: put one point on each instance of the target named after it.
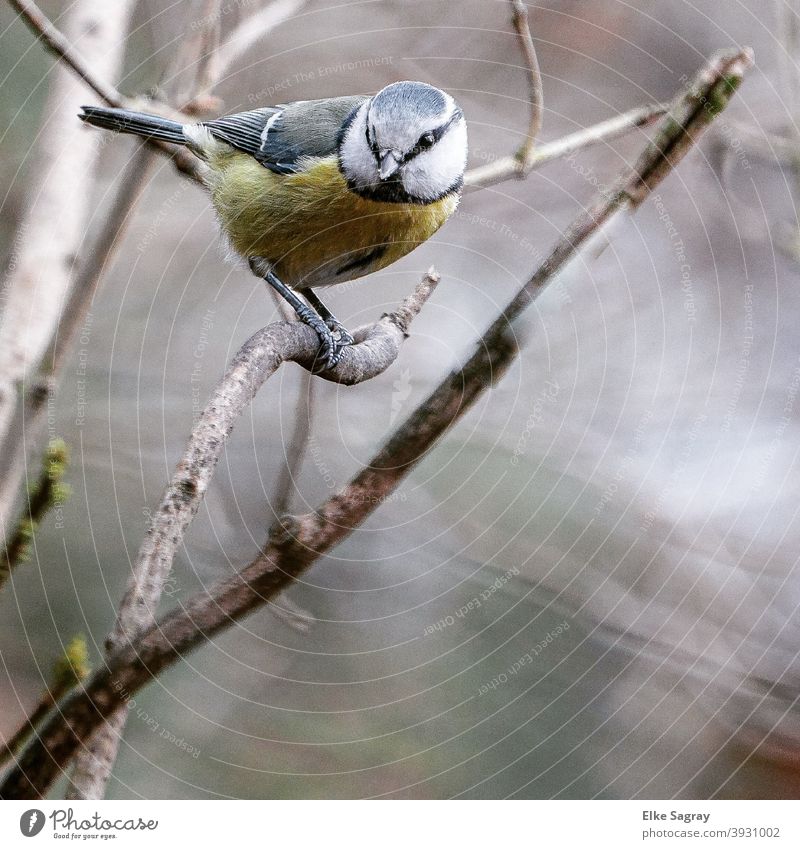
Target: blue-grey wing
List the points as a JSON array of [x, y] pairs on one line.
[[278, 137], [244, 130]]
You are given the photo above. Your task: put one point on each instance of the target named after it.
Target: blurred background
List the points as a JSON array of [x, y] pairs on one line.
[[623, 505]]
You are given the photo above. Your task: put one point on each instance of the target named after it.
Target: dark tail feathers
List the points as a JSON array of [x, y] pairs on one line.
[[136, 123]]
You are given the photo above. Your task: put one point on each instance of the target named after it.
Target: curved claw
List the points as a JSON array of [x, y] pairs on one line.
[[329, 351], [344, 337]]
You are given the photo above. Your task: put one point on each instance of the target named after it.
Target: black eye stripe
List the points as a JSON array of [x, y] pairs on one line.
[[434, 135], [430, 138]]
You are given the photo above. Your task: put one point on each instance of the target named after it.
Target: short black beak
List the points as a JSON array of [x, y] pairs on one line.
[[389, 163]]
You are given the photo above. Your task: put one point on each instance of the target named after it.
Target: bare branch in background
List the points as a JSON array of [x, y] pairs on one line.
[[303, 415], [37, 388], [377, 347], [95, 77], [519, 18], [43, 384], [520, 164], [90, 777], [300, 541], [91, 72], [253, 28], [199, 52], [504, 168], [530, 155], [246, 34], [296, 446], [51, 241], [91, 770]]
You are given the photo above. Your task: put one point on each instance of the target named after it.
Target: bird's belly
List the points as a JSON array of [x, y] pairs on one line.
[[312, 228]]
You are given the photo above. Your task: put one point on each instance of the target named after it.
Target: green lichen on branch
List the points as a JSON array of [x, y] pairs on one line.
[[68, 671], [73, 666], [722, 93], [47, 493]]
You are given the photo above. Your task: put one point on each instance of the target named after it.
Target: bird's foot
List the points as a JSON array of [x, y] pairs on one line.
[[331, 348]]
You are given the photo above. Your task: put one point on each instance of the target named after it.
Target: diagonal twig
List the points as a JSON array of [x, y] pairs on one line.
[[507, 167], [59, 45], [56, 43], [217, 57], [70, 669], [300, 541], [92, 768], [253, 28], [39, 388], [89, 777]]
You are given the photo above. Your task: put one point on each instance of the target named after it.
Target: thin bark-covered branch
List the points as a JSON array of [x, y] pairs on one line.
[[519, 18], [502, 169], [376, 348], [93, 764], [530, 155], [49, 491], [198, 52], [507, 167], [90, 776], [303, 414], [300, 541]]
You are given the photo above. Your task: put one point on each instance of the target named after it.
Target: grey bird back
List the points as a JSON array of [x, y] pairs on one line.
[[278, 137]]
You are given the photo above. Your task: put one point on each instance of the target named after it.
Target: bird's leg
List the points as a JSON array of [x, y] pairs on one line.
[[330, 351], [336, 326]]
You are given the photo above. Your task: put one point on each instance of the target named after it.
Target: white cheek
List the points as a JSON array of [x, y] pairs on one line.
[[436, 170], [356, 157]]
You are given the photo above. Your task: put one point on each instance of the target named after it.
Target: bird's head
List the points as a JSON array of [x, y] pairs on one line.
[[408, 142]]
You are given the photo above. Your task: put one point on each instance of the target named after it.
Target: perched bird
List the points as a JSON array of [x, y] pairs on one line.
[[319, 192]]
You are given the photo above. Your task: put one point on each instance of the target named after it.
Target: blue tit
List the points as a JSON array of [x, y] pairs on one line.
[[319, 192]]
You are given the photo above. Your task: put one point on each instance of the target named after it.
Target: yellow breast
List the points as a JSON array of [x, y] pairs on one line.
[[310, 226]]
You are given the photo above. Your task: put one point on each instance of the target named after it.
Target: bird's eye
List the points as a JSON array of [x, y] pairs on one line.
[[426, 141]]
